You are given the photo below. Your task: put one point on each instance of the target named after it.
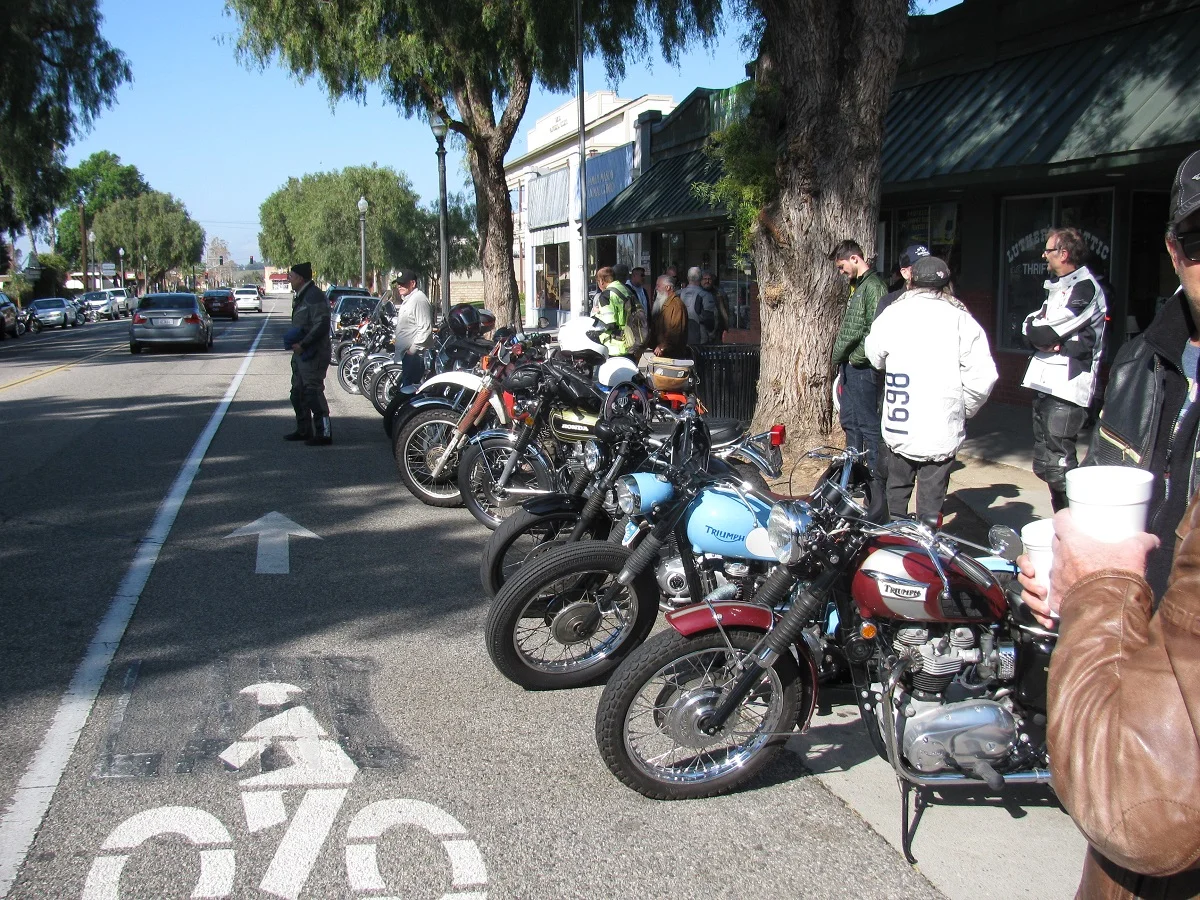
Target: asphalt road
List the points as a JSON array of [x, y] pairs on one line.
[[377, 752]]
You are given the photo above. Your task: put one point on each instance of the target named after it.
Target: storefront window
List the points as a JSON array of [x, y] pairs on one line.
[[933, 224], [552, 278], [1026, 221]]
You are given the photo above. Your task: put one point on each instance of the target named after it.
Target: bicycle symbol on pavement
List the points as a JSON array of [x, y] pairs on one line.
[[319, 766]]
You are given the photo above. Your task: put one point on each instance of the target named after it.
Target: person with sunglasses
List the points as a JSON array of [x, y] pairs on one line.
[[1067, 335]]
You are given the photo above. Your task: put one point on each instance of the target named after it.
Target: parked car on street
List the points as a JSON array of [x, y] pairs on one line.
[[121, 297], [335, 293], [9, 314], [102, 304], [170, 319], [220, 302], [54, 311], [248, 299]]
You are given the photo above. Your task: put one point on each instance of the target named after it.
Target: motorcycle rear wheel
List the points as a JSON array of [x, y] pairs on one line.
[[383, 383], [525, 536], [419, 445], [480, 468], [367, 372], [545, 630], [348, 370], [647, 721]]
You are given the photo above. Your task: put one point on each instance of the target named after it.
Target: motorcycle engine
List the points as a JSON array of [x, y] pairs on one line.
[[672, 580]]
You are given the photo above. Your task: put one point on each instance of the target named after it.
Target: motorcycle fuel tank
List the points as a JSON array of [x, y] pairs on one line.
[[898, 581], [572, 425], [719, 522]]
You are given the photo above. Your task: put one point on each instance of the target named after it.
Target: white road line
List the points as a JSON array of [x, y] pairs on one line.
[[36, 788]]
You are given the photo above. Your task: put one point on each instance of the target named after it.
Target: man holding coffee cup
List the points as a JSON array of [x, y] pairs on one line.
[[1124, 691]]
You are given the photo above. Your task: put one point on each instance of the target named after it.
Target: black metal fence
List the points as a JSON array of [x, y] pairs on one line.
[[728, 375]]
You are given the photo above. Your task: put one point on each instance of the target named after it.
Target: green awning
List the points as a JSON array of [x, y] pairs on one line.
[[1119, 94], [661, 197]]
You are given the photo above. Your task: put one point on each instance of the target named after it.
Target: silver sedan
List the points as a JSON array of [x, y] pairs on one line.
[[170, 319], [54, 311]]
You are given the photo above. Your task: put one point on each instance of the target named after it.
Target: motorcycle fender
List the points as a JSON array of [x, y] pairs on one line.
[[377, 356], [554, 503], [533, 450], [699, 618], [471, 381], [416, 405]]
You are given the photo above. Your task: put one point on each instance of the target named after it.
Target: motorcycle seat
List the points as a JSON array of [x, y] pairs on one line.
[[721, 431]]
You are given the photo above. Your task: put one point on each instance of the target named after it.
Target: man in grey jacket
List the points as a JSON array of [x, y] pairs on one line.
[[310, 359], [701, 309], [414, 327]]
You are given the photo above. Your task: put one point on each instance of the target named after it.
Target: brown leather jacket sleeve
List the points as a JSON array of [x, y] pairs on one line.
[[1124, 712]]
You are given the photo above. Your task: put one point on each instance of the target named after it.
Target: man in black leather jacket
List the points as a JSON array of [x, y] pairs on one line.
[[1148, 419]]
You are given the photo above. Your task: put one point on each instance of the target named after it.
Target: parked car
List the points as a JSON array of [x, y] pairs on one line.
[[349, 309], [121, 297], [9, 314], [335, 293], [170, 319], [248, 299], [102, 304], [54, 311], [220, 302]]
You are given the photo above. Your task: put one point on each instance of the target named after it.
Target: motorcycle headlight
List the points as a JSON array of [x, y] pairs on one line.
[[593, 456], [629, 496], [787, 526]]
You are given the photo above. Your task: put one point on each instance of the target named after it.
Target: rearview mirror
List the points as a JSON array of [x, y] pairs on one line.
[[1005, 542]]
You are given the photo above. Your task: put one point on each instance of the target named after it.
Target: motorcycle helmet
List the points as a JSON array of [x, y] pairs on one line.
[[464, 321], [487, 321], [582, 335], [616, 371]]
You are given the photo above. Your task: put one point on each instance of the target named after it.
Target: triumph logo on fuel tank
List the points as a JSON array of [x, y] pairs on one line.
[[901, 591], [727, 536]]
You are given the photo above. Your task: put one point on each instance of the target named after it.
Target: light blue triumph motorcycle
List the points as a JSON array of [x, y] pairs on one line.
[[570, 616]]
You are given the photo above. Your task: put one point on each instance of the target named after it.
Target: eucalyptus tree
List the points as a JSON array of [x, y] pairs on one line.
[[154, 225], [95, 183]]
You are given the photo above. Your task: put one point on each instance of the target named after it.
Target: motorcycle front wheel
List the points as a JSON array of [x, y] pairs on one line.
[[419, 445], [648, 722], [383, 383], [367, 372], [480, 468], [554, 625], [348, 370], [525, 536]]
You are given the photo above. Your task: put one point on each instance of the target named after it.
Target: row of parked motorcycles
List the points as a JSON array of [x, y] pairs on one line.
[[615, 499]]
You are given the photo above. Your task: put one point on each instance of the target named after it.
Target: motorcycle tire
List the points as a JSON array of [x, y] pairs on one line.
[[646, 721], [534, 655], [524, 537], [383, 383], [20, 329], [419, 444], [367, 371], [348, 370], [479, 467], [749, 473]]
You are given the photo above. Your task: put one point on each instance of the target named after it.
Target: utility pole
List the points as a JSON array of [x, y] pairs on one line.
[[83, 248], [583, 231]]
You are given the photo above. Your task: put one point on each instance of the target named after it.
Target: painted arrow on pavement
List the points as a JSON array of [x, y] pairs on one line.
[[273, 530]]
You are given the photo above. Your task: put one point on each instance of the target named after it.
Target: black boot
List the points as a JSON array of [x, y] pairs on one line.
[[322, 434], [304, 429]]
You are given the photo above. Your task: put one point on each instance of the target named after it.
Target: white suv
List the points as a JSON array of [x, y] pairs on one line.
[[120, 301]]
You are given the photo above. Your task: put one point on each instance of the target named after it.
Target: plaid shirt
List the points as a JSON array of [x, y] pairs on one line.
[[860, 313]]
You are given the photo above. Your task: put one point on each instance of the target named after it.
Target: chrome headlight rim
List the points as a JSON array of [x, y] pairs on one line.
[[629, 495], [593, 456], [787, 526]]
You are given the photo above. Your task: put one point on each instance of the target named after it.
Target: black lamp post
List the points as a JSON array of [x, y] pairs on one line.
[[438, 126], [362, 239], [92, 255]]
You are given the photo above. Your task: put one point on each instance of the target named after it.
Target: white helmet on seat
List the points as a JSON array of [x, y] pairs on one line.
[[582, 334], [616, 371]]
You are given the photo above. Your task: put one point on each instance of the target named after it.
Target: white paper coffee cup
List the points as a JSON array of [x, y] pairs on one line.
[[1109, 503], [1038, 537]]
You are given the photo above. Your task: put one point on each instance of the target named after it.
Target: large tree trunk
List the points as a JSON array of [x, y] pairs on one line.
[[826, 69], [494, 220]]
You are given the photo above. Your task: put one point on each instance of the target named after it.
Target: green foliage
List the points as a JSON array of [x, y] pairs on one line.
[[19, 290], [315, 218], [153, 224], [52, 281], [56, 74], [747, 149], [96, 182]]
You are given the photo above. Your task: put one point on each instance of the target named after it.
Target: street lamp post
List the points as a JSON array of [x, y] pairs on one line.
[[362, 240], [146, 269], [92, 255], [438, 126], [121, 253]]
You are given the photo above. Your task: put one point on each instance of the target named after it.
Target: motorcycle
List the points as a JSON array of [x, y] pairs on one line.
[[372, 341], [571, 615], [29, 321], [949, 668]]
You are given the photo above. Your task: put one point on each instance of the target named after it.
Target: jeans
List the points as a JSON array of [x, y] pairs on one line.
[[931, 479], [1056, 427], [412, 367], [860, 411]]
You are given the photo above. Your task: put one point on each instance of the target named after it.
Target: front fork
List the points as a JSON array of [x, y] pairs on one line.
[[468, 421], [524, 436]]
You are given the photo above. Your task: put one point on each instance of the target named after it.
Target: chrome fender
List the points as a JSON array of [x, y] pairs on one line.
[[533, 451], [702, 617], [470, 381]]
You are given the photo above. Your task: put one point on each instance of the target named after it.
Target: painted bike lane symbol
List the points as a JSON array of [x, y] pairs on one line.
[[317, 764]]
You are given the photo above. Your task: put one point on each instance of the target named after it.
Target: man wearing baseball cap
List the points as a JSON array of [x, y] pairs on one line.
[[1124, 689], [911, 254], [414, 327]]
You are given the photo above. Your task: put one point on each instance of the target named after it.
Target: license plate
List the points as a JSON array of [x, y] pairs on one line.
[[631, 530]]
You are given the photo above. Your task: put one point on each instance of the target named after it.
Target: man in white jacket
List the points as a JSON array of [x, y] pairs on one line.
[[938, 371]]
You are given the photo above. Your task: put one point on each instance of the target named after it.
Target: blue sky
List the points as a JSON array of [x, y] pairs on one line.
[[221, 136]]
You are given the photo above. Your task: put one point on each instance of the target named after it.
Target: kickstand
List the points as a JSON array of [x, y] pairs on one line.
[[909, 831]]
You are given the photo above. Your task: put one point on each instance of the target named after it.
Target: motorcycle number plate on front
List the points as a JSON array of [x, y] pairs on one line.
[[631, 530]]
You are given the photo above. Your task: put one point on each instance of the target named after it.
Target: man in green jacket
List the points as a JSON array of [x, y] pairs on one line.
[[859, 394], [310, 358]]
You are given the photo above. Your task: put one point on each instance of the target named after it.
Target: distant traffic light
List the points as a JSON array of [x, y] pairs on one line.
[[252, 260], [220, 260]]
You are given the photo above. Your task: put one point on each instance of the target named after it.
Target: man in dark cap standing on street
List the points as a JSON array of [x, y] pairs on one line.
[[310, 358]]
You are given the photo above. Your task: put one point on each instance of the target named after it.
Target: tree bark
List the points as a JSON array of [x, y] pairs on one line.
[[826, 69]]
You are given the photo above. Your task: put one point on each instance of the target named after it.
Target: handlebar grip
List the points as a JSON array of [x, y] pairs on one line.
[[972, 568]]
